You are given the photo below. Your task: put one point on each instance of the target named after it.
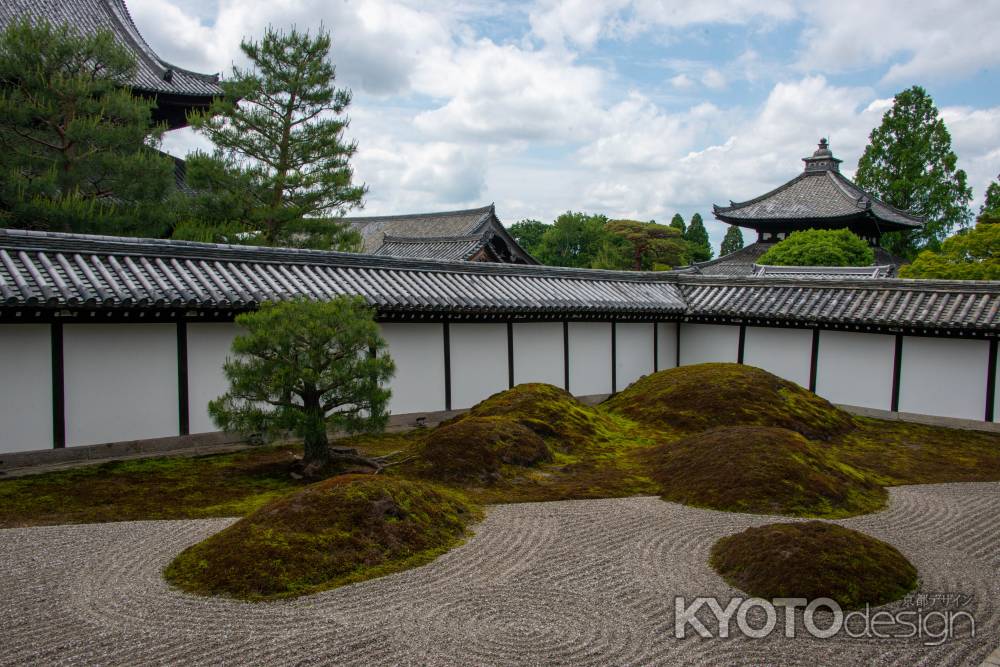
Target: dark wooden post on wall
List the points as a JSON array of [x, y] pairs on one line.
[[897, 365], [991, 380], [447, 365], [656, 346], [566, 356], [614, 359], [814, 360], [183, 409], [742, 344], [58, 388], [510, 355]]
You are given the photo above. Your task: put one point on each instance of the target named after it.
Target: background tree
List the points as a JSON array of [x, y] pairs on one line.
[[280, 150], [819, 247], [574, 239], [306, 367], [991, 203], [528, 233], [649, 245], [76, 147], [732, 241], [699, 249], [972, 254], [677, 222], [909, 164]]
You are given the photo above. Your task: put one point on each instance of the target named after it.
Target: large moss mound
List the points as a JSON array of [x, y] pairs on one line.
[[334, 532], [814, 559], [703, 396], [550, 412], [477, 449], [762, 470]]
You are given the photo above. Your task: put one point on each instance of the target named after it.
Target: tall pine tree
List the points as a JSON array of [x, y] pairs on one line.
[[732, 241], [991, 203], [281, 163], [909, 164], [699, 249], [77, 148], [677, 222]]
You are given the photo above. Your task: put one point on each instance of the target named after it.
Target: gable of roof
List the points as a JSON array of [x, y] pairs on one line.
[[442, 235], [171, 84]]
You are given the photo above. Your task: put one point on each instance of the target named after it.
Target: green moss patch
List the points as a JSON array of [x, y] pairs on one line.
[[551, 412], [814, 559], [340, 530], [703, 396], [762, 470], [478, 448]]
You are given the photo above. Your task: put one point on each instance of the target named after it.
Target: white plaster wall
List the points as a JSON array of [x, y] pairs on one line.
[[478, 362], [538, 353], [855, 368], [589, 358], [120, 382], [944, 377], [701, 343], [208, 346], [785, 352], [667, 345], [418, 350], [633, 352], [25, 387]]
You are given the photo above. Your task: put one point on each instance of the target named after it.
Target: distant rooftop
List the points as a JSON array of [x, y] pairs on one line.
[[822, 198], [176, 90]]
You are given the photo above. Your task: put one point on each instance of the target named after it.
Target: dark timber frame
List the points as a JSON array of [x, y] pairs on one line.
[[183, 409], [510, 354], [614, 359], [742, 344], [446, 335], [565, 355], [991, 381], [813, 360], [58, 387], [897, 365]]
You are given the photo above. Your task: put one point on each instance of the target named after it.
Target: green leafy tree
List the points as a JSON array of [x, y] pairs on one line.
[[819, 247], [306, 367], [972, 254], [649, 245], [991, 203], [732, 241], [699, 249], [574, 239], [280, 156], [909, 164], [677, 222], [528, 233], [76, 147]]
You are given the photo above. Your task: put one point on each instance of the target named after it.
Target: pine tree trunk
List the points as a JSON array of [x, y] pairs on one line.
[[316, 446]]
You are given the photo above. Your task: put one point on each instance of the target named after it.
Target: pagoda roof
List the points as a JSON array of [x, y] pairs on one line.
[[176, 89], [462, 234], [818, 197]]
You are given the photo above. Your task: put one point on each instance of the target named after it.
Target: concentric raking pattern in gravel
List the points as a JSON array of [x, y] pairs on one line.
[[577, 582]]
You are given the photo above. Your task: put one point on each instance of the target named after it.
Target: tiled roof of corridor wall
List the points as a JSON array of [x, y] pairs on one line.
[[66, 271]]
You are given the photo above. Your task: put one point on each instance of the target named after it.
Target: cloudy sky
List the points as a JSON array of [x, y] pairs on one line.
[[631, 108]]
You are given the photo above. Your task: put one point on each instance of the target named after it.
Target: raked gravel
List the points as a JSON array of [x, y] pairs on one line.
[[575, 582]]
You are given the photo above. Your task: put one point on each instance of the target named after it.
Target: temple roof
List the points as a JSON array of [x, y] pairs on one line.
[[77, 276], [743, 262], [176, 89], [443, 235], [818, 197]]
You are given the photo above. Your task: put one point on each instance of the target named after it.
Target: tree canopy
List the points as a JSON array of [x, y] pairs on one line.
[[649, 245], [306, 367], [699, 249], [280, 170], [909, 164], [574, 239], [528, 234], [77, 148], [991, 202], [677, 222], [819, 247], [972, 254], [732, 241]]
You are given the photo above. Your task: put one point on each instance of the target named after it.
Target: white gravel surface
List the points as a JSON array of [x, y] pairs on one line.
[[576, 582]]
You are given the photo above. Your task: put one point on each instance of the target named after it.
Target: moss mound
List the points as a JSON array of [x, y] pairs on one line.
[[703, 396], [814, 559], [477, 448], [550, 412], [337, 531], [763, 470]]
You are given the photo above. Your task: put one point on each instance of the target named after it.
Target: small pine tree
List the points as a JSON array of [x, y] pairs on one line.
[[909, 164], [732, 241], [699, 249], [76, 146], [648, 244], [281, 157], [306, 367]]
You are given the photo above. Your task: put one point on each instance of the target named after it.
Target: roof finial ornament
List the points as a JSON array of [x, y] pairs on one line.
[[823, 144]]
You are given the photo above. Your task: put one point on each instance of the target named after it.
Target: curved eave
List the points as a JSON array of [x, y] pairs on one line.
[[825, 222]]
